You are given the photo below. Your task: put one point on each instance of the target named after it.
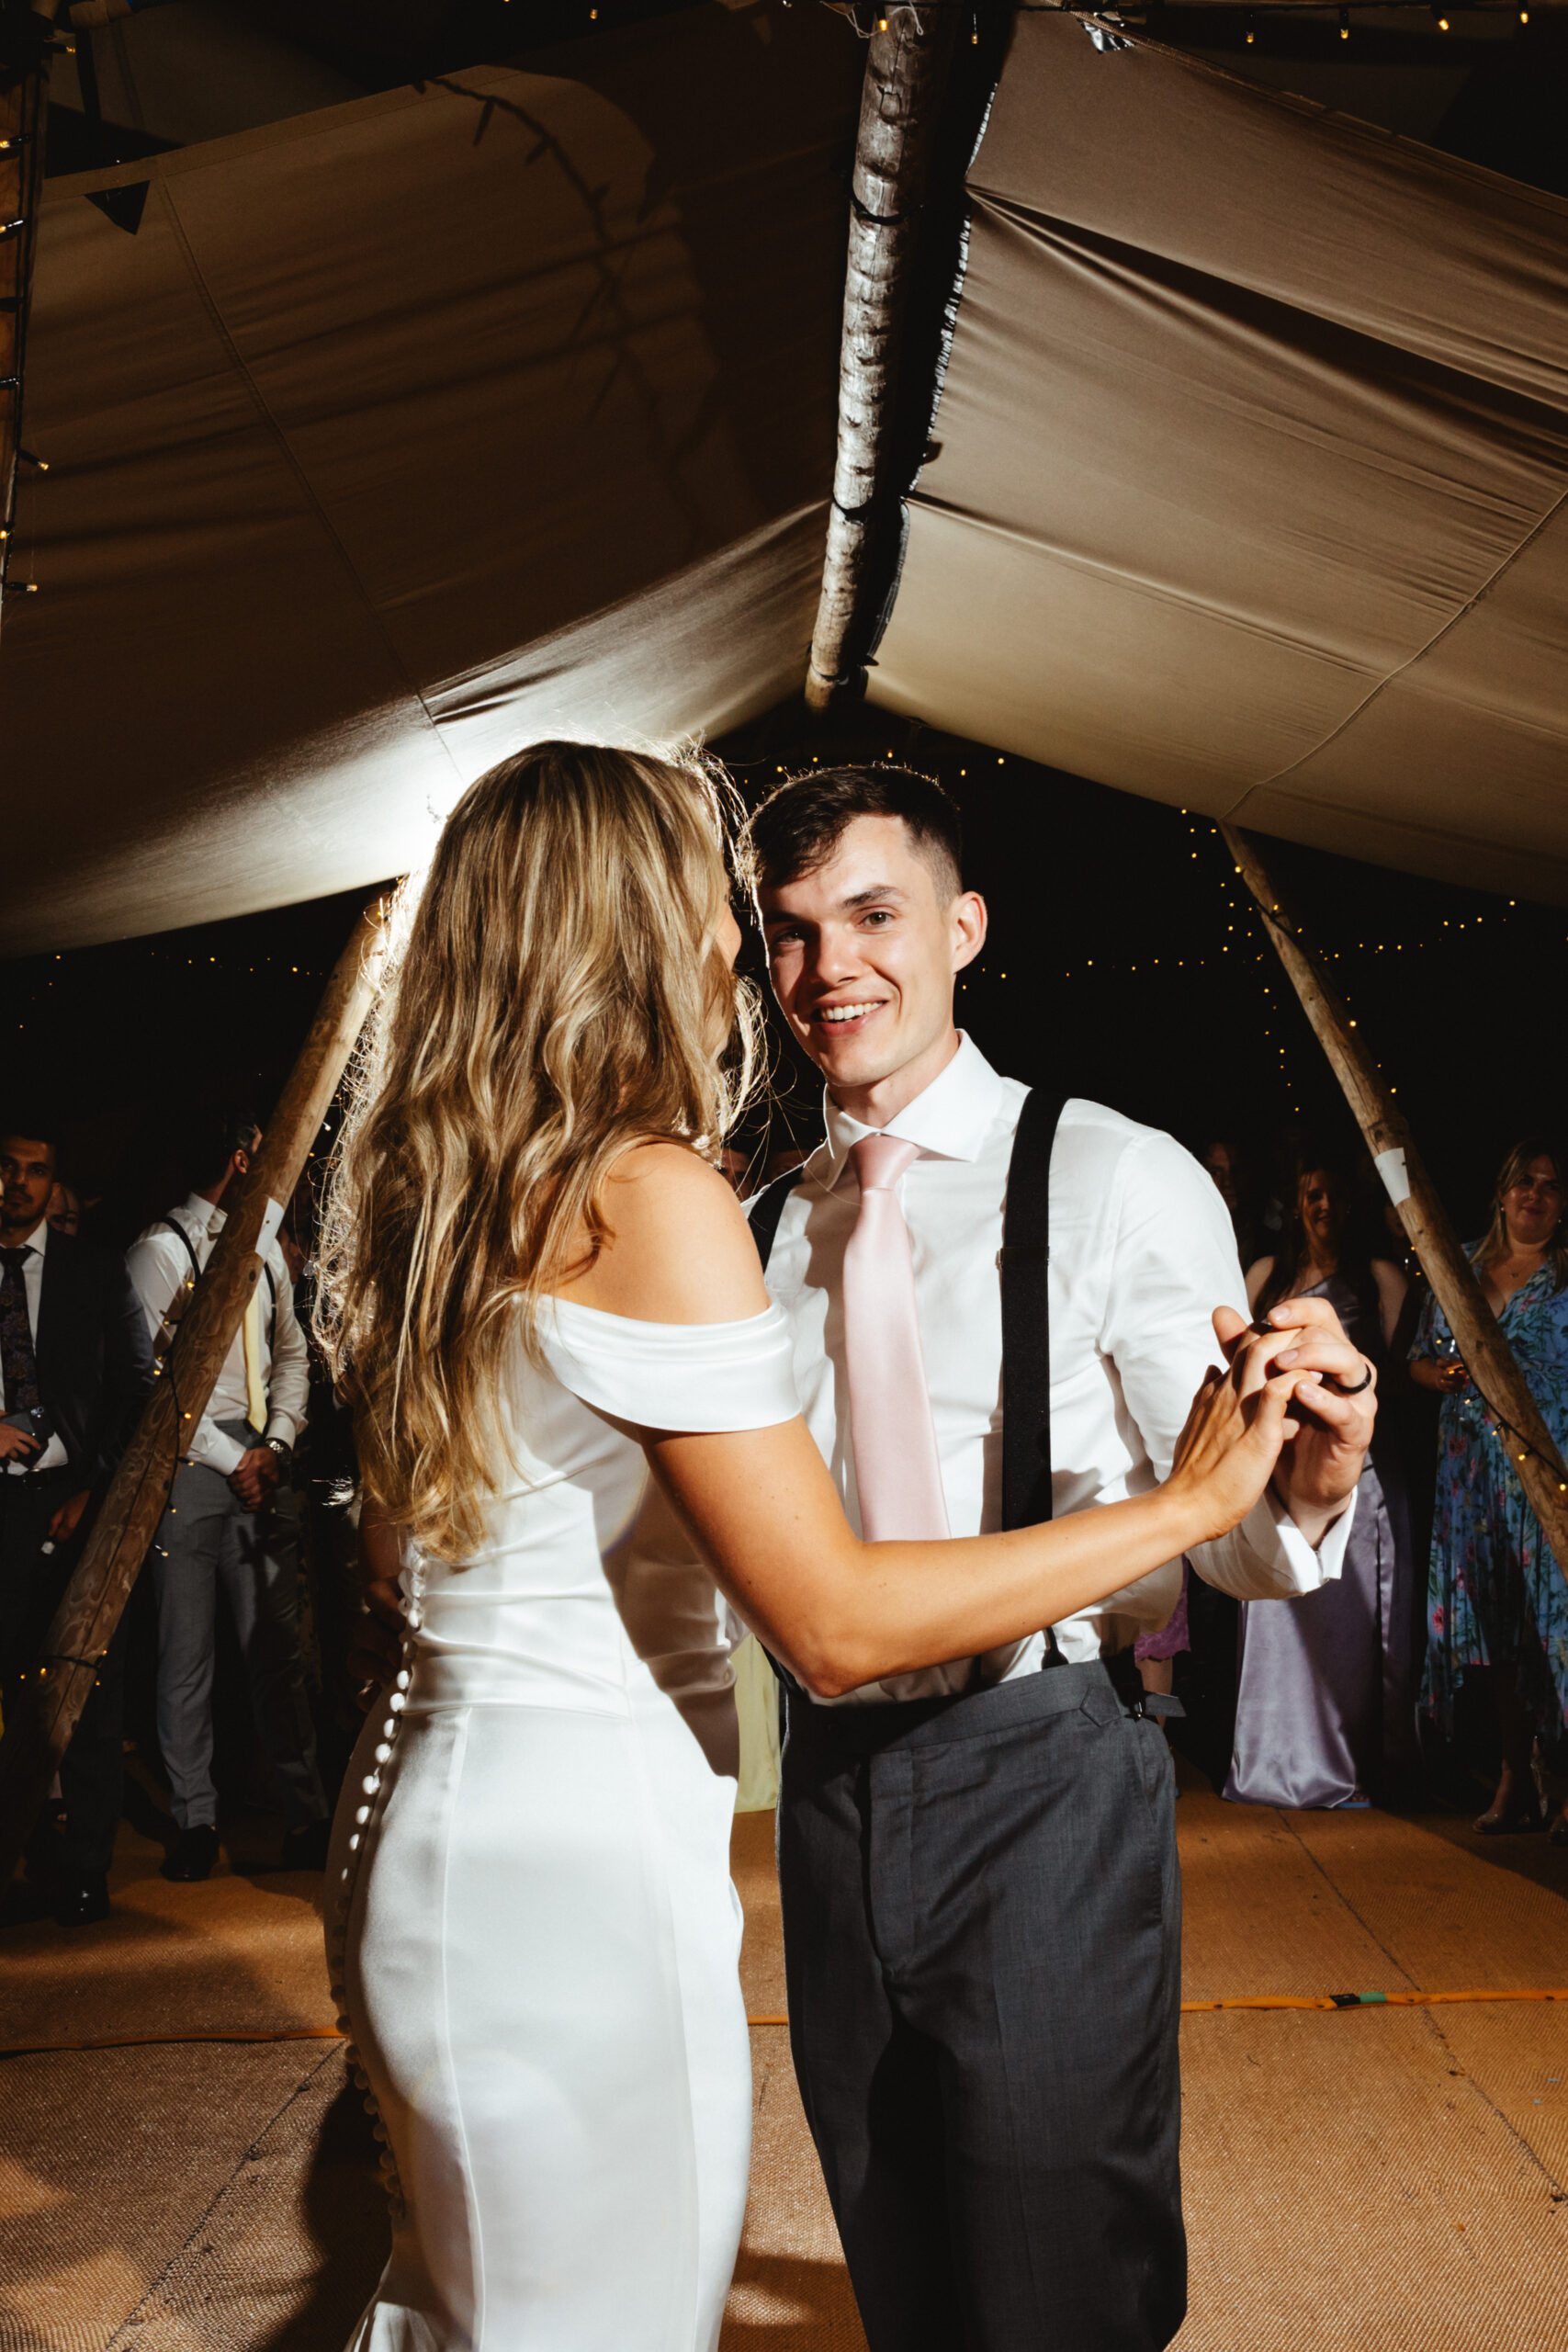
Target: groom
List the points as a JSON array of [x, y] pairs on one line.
[[981, 1900]]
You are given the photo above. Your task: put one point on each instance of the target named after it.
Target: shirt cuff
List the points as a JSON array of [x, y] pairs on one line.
[[1267, 1557], [1271, 1534], [283, 1425]]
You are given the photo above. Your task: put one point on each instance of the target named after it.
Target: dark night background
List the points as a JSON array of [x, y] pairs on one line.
[[1125, 958]]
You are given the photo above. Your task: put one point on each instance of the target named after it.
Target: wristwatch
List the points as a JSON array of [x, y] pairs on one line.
[[285, 1454]]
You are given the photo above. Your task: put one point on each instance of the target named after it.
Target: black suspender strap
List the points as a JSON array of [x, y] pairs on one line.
[[176, 1227], [765, 1212], [169, 1321], [1024, 1260]]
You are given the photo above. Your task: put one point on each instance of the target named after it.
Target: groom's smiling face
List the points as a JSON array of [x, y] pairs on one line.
[[861, 952]]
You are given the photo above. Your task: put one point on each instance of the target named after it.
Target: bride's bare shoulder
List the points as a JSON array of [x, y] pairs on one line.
[[679, 1249]]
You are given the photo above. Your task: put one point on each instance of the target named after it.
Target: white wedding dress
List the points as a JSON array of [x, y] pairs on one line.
[[534, 1931]]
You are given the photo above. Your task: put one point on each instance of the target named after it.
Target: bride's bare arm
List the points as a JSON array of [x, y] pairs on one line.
[[765, 1512]]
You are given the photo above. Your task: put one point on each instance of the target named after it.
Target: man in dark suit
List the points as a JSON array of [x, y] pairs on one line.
[[75, 1362]]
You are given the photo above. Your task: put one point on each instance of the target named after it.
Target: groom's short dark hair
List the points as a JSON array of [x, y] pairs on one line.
[[799, 826]]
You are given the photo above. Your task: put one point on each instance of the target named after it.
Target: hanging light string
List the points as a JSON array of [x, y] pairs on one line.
[[1520, 1440]]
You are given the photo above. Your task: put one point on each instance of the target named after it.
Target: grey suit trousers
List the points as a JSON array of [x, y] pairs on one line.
[[981, 1918], [208, 1538]]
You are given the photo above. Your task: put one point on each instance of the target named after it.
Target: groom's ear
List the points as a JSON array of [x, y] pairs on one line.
[[970, 923]]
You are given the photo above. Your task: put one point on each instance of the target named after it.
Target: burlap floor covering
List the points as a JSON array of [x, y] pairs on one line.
[[1382, 2180]]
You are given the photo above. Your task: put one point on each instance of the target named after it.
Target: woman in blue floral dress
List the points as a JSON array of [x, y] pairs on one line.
[[1495, 1598]]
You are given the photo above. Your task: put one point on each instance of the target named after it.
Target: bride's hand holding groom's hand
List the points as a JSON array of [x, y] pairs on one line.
[[1242, 1418], [1321, 1458]]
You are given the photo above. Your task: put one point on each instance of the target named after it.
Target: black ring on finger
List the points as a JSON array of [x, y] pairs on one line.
[[1359, 1387]]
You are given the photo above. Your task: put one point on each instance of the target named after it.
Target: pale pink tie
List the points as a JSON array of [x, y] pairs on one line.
[[897, 1476]]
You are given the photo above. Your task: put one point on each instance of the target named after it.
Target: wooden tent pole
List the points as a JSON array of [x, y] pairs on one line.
[[26, 40], [906, 73], [1486, 1354], [99, 1588]]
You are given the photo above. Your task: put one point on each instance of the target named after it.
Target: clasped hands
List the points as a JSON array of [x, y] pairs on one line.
[[1328, 1433], [256, 1475], [1327, 1439]]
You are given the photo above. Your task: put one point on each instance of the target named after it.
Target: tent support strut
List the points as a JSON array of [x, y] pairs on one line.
[[906, 76], [127, 1518], [1486, 1352]]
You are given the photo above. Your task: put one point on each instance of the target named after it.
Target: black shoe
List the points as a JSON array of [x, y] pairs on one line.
[[305, 1848], [79, 1897], [194, 1855]]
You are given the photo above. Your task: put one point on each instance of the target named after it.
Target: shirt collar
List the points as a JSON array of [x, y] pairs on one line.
[[949, 1121], [39, 1237], [205, 1215]]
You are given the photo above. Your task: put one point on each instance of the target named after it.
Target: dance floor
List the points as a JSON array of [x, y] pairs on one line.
[[1382, 2176]]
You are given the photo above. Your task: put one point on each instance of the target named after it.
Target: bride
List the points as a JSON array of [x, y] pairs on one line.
[[550, 1308]]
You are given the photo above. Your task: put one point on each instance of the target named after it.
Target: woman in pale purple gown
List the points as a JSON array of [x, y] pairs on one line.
[[1325, 1698]]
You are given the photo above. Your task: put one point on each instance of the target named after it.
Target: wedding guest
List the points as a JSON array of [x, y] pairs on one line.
[[1255, 1220], [1496, 1598], [1325, 1701], [65, 1211], [234, 1520], [75, 1364]]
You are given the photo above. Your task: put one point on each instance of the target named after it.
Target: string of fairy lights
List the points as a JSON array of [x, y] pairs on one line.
[[1206, 933], [1420, 936]]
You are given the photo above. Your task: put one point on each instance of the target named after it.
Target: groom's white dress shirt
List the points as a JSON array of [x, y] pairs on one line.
[[1141, 1253]]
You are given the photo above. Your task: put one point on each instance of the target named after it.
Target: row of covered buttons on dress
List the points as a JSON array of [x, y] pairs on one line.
[[369, 1788]]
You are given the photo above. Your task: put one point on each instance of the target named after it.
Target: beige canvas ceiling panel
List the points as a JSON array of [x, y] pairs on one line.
[[1253, 430], [1029, 648], [1469, 745], [400, 426], [1336, 217]]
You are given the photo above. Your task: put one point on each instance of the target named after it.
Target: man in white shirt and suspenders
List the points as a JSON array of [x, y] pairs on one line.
[[232, 1519], [1001, 1304]]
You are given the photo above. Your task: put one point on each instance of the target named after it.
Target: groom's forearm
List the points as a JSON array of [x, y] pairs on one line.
[[1315, 1502]]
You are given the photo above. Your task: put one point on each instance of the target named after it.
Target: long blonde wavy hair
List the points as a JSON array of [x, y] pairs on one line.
[[556, 995]]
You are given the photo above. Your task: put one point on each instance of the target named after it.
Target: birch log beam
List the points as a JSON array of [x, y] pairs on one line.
[[100, 1585], [24, 38], [1486, 1352], [906, 65]]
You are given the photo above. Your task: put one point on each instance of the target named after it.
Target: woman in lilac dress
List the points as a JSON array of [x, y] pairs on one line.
[[1325, 1699]]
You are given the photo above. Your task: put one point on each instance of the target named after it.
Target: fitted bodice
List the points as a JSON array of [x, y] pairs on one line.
[[555, 1607]]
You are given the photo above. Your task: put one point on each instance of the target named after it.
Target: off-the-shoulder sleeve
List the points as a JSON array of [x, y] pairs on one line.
[[673, 1375]]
